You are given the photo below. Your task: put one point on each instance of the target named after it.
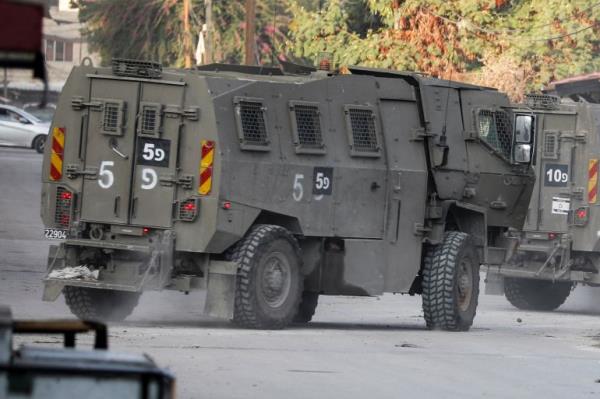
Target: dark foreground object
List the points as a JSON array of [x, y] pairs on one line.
[[38, 372]]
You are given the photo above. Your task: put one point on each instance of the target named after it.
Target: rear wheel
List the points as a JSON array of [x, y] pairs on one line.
[[451, 283], [528, 294], [38, 143], [307, 307], [100, 305], [269, 282]]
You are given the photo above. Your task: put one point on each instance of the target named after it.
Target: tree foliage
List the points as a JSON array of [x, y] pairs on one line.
[[153, 29], [514, 45]]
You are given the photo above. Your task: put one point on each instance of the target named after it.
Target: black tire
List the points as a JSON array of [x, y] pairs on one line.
[[527, 294], [451, 283], [307, 308], [100, 305], [38, 143], [269, 283]]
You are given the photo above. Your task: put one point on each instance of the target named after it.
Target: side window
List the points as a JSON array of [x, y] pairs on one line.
[[251, 123], [496, 130], [112, 117], [4, 116], [550, 145], [306, 127], [362, 131], [149, 124]]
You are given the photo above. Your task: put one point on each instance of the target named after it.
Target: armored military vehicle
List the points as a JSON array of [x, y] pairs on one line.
[[269, 189], [559, 243]]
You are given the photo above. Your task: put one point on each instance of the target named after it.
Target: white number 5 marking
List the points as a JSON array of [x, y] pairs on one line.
[[298, 192], [149, 179], [107, 178]]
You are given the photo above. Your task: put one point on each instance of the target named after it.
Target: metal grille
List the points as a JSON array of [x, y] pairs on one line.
[[110, 120], [188, 210], [253, 123], [550, 142], [148, 69], [149, 120], [496, 130], [364, 136], [308, 125], [62, 213], [542, 101]]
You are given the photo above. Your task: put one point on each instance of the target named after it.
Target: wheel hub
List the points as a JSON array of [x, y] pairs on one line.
[[276, 281]]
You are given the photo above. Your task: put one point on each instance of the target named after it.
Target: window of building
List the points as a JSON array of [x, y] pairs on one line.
[[49, 50], [59, 50]]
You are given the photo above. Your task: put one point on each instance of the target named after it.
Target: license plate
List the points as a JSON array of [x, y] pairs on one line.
[[55, 234]]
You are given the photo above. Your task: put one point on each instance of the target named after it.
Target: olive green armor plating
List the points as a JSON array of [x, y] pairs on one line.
[[269, 189]]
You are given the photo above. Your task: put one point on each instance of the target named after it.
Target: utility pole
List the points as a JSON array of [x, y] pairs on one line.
[[208, 38], [250, 42], [187, 38]]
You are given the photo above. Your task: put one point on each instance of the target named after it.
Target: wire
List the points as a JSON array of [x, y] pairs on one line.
[[566, 34], [471, 25]]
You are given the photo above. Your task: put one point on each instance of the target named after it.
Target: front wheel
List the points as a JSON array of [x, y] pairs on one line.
[[451, 283], [38, 143], [100, 305], [269, 281], [528, 294]]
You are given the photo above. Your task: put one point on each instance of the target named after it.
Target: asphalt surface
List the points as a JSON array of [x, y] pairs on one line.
[[355, 348]]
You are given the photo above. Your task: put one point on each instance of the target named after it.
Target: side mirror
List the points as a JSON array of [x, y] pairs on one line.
[[24, 121], [522, 153], [523, 128]]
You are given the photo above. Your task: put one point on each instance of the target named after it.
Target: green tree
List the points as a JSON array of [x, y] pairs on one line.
[[516, 45], [153, 29]]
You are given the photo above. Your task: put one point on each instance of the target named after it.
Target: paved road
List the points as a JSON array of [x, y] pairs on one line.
[[356, 348]]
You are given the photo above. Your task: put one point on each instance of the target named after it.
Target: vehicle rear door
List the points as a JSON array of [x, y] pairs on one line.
[[159, 125], [556, 145], [109, 145]]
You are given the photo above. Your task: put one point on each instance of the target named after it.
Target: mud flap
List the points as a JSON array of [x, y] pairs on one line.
[[220, 293], [494, 283], [52, 289]]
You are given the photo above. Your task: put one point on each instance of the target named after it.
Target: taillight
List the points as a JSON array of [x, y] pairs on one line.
[[64, 206], [188, 210], [57, 153], [206, 167], [581, 216]]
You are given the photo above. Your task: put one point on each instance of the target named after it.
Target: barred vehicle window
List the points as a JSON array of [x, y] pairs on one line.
[[363, 130], [496, 130], [253, 123], [111, 117], [308, 125]]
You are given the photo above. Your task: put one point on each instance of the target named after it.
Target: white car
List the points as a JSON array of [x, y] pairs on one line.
[[21, 129]]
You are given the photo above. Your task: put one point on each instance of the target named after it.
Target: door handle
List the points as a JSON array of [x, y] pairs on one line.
[[113, 146]]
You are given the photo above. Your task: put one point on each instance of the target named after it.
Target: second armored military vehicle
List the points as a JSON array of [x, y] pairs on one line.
[[559, 245], [269, 189]]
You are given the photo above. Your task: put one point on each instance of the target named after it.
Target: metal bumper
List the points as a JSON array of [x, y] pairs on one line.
[[156, 263], [219, 279]]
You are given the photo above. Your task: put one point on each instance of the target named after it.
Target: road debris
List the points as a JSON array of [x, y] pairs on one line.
[[75, 272]]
